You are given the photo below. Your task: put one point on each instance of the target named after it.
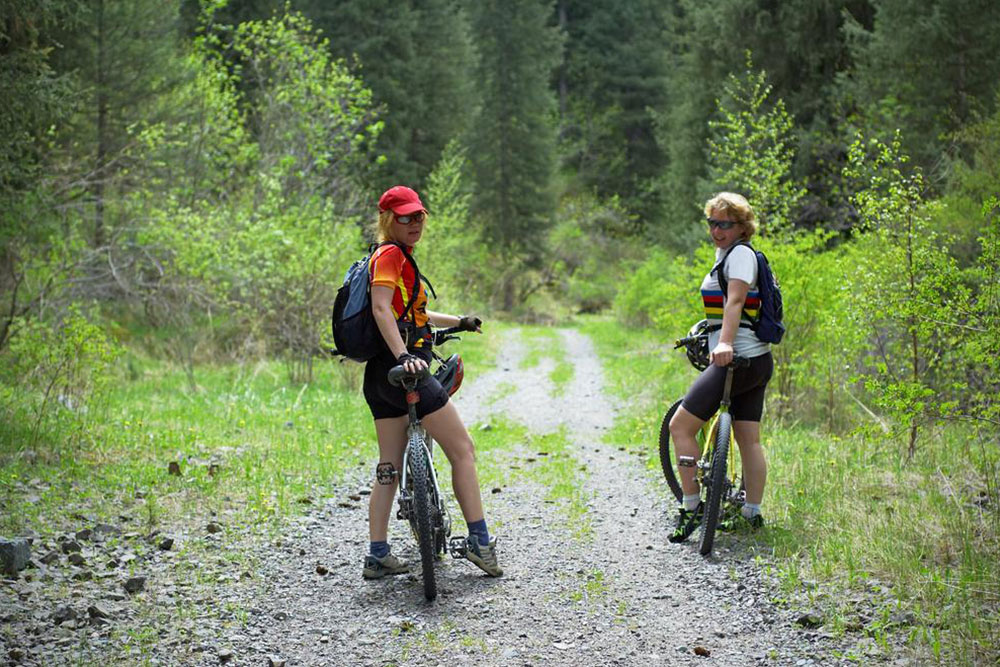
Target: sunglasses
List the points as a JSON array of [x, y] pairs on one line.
[[412, 217], [721, 224]]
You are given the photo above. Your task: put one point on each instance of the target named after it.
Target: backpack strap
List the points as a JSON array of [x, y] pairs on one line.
[[416, 271], [723, 282]]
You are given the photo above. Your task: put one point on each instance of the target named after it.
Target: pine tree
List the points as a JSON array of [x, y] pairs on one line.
[[416, 58], [615, 72], [926, 67], [513, 136]]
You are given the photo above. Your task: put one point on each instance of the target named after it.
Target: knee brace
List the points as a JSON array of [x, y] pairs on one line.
[[385, 473]]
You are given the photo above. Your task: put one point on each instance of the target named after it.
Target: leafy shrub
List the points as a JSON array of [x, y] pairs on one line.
[[54, 380]]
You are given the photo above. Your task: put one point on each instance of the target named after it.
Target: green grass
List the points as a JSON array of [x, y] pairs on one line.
[[274, 446], [851, 514]]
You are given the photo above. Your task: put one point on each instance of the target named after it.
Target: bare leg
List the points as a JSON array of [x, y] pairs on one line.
[[754, 466], [391, 435], [683, 429], [445, 426]]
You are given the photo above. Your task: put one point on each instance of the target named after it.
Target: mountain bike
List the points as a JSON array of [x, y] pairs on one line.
[[718, 471], [420, 499]]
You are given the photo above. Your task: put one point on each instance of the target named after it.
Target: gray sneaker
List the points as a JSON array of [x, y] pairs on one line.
[[485, 557], [376, 568]]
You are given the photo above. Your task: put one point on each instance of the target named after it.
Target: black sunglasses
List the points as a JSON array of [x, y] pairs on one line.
[[721, 224], [412, 217]]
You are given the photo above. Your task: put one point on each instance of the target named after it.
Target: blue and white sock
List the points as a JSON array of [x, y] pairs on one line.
[[750, 510], [478, 528], [378, 549]]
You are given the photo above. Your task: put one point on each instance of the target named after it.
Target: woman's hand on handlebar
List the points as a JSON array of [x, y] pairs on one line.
[[470, 323], [411, 363], [722, 355]]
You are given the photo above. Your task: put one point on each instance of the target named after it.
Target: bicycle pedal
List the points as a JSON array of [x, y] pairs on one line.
[[456, 547]]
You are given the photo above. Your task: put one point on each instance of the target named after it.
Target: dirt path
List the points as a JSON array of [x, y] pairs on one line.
[[623, 597], [619, 595]]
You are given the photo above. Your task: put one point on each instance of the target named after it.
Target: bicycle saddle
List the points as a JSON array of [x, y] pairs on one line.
[[398, 375]]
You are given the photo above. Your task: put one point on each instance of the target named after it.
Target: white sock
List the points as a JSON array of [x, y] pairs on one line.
[[750, 510], [691, 502]]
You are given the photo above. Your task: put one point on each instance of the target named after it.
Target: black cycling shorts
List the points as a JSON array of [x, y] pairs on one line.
[[746, 395], [386, 401]]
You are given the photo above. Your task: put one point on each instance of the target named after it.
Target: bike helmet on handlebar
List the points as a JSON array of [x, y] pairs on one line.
[[697, 349], [450, 374]]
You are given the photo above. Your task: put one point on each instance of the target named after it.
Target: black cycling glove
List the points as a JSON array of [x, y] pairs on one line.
[[406, 356], [469, 323]]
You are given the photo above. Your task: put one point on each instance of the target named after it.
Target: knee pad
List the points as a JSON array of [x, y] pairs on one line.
[[385, 473]]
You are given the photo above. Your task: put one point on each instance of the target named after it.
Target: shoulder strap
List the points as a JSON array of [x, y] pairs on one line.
[[418, 277], [718, 269]]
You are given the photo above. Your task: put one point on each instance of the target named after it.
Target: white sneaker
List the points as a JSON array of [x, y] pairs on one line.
[[485, 557]]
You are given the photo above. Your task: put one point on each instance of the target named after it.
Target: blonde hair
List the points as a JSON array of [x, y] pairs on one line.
[[383, 226], [737, 207]]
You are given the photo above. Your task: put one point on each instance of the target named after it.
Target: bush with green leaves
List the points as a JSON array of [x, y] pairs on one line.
[[54, 378], [908, 293], [267, 228]]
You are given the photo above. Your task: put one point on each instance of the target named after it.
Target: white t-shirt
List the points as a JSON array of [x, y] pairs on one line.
[[741, 265]]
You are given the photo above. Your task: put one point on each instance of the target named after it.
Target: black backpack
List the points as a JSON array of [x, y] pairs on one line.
[[355, 334], [768, 325]]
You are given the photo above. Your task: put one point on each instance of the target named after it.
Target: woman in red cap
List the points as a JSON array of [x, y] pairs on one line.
[[400, 223]]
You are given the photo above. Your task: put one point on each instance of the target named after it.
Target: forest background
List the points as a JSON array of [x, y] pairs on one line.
[[184, 184]]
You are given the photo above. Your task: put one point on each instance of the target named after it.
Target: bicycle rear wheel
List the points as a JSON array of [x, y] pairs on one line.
[[715, 482], [422, 512], [668, 457]]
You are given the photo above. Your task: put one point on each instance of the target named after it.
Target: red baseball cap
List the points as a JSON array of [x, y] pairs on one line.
[[401, 200]]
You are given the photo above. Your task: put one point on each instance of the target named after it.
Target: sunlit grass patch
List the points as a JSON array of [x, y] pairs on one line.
[[592, 588]]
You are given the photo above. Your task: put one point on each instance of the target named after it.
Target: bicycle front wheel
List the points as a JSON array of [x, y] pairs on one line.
[[715, 482], [668, 457], [422, 512]]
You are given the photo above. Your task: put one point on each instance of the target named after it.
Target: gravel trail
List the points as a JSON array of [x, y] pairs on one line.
[[622, 595]]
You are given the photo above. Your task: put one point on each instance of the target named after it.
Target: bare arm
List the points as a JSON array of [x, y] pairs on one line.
[[736, 296], [386, 322], [442, 320]]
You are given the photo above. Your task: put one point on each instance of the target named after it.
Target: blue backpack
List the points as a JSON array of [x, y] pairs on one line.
[[355, 334], [768, 325]]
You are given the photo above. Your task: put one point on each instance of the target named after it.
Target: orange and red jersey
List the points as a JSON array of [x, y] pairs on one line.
[[388, 268]]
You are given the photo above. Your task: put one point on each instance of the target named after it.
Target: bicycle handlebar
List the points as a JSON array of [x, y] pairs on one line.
[[442, 336]]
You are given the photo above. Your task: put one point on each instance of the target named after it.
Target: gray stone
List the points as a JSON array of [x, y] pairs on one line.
[[70, 546], [98, 611], [76, 558], [107, 529], [14, 555], [166, 544], [213, 528], [810, 619], [63, 614], [135, 584], [274, 661]]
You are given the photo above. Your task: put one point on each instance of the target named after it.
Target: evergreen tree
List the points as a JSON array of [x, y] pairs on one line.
[[614, 73], [927, 67], [416, 58], [801, 46], [513, 136], [125, 55]]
